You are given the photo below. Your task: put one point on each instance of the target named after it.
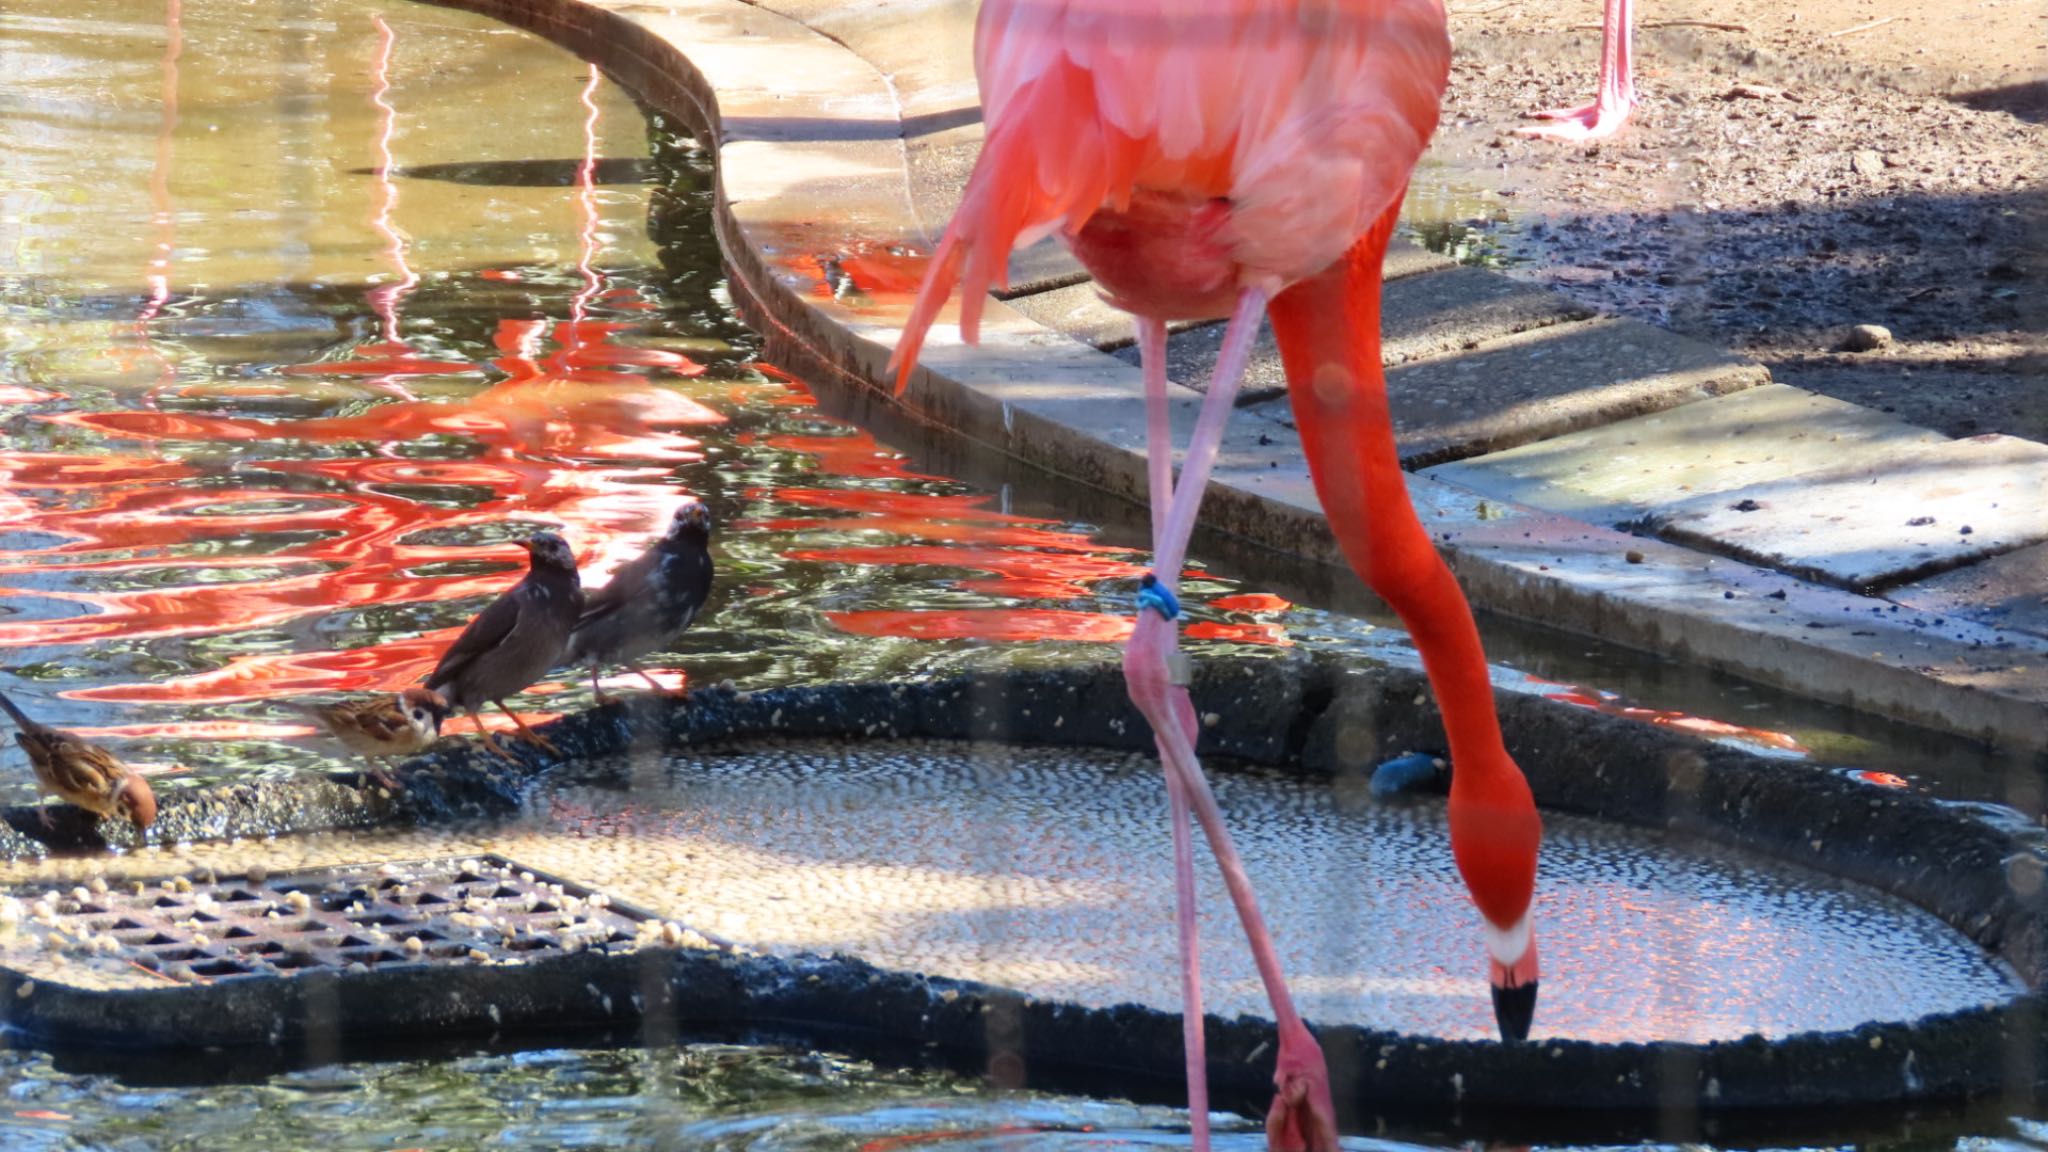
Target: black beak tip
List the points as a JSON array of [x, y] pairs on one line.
[[1514, 1009]]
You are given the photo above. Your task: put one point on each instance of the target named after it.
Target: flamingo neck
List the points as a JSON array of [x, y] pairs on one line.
[[1328, 329]]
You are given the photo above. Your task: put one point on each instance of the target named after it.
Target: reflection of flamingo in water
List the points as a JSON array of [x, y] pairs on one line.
[[1232, 158], [1616, 97], [162, 221], [384, 363]]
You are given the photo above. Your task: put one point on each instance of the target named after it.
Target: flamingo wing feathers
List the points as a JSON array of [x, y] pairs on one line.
[[1306, 115]]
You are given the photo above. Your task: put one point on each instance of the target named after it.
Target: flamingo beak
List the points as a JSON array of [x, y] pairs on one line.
[[1514, 982], [1514, 1009]]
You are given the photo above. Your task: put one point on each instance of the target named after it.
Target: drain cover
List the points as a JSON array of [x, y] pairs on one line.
[[480, 910]]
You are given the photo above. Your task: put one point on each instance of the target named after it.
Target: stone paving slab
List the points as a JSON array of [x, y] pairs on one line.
[[1622, 471], [2009, 591], [1431, 308], [1892, 517], [1536, 384]]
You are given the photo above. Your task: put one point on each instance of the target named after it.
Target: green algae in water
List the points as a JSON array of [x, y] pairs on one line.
[[729, 1097]]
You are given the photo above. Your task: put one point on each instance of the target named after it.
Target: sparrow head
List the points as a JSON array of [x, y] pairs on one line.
[[135, 802], [424, 710], [691, 521], [549, 551]]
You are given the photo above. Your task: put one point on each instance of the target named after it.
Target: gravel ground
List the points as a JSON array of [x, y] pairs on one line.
[[1779, 185]]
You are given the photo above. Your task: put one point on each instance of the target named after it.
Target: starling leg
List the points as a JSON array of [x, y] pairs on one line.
[[525, 733], [496, 749], [602, 699]]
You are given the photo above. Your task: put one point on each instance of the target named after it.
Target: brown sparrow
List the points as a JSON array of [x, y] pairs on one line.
[[83, 773], [382, 728], [649, 601], [515, 640]]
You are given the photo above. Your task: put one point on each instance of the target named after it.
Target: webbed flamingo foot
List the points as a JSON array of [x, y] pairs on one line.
[[1598, 120], [1303, 1117]]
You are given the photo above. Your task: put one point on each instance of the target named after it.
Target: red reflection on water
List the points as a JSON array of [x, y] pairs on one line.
[[1672, 718], [385, 667], [911, 1139], [1272, 634], [868, 274], [195, 730], [549, 441], [1025, 575], [1251, 602], [996, 625], [495, 721], [1030, 558]]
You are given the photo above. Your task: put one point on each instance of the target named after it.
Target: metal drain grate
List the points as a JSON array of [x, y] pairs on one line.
[[479, 910]]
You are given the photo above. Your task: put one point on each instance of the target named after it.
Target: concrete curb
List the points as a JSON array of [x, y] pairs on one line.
[[817, 217]]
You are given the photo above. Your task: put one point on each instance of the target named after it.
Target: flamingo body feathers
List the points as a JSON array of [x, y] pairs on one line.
[[1301, 117]]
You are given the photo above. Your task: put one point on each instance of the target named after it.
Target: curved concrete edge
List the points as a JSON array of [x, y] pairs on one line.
[[1981, 877], [815, 214]]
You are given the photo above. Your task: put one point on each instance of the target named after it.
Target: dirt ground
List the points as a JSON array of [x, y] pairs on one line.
[[1812, 166]]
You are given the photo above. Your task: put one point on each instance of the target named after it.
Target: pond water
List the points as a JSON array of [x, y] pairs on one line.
[[308, 309]]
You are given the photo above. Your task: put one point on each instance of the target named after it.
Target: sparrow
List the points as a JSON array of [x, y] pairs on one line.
[[382, 728], [83, 773], [649, 601], [515, 640]]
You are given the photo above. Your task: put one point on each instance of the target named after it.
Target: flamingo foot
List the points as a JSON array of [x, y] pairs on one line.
[[1598, 120], [1303, 1117]]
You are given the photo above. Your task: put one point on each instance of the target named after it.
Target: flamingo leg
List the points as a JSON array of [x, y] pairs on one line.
[[1159, 475], [1616, 97], [1302, 1118], [525, 733]]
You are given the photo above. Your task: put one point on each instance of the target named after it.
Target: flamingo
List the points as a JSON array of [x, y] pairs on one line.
[[1616, 97], [1213, 158]]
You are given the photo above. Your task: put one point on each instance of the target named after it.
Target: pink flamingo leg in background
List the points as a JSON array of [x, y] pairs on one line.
[[1617, 95]]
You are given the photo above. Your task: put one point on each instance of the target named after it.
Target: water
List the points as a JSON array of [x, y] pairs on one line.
[[697, 1095], [308, 308]]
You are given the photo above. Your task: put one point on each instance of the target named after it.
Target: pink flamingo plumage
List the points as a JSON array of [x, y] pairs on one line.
[[1616, 96], [1212, 158]]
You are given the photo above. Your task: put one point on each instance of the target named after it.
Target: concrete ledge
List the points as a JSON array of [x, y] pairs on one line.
[[813, 172]]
